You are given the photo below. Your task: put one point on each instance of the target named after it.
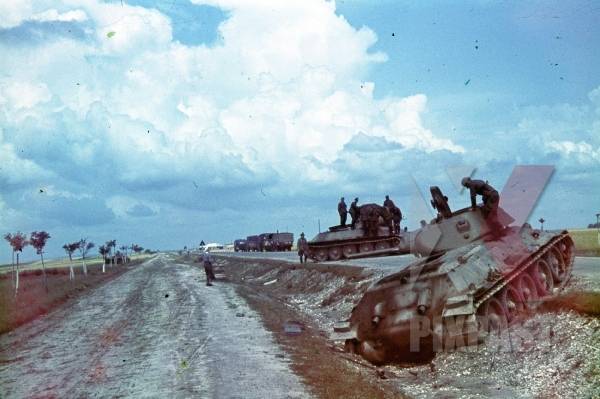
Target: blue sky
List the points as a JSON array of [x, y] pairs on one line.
[[167, 122]]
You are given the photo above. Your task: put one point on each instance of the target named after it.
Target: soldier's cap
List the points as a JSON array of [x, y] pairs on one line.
[[356, 199], [465, 180], [302, 234]]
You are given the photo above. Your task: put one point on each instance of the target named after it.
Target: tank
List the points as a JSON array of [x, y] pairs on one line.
[[474, 278], [372, 235]]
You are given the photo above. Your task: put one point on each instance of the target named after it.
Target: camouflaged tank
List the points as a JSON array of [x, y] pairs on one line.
[[373, 237], [470, 282]]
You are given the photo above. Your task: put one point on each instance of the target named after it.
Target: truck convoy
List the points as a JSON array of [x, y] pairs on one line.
[[265, 242]]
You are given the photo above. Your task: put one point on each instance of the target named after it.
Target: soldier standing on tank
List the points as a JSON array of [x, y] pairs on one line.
[[397, 217], [490, 198], [354, 212], [388, 203], [343, 211], [208, 267], [302, 245]]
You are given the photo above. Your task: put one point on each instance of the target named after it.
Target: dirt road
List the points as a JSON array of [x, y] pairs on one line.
[[155, 331]]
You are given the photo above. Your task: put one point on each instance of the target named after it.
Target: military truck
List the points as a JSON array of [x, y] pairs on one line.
[[276, 241], [253, 243], [240, 245]]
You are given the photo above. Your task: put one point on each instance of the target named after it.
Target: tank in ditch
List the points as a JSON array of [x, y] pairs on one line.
[[373, 234], [474, 279]]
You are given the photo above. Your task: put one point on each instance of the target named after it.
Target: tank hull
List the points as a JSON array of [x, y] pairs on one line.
[[457, 296], [348, 243]]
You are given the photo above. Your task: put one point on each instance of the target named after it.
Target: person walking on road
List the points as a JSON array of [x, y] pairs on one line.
[[302, 248], [343, 211], [208, 267]]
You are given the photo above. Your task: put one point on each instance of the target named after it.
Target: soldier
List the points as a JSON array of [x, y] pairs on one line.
[[354, 212], [302, 248], [208, 268], [343, 211], [388, 203], [490, 198], [397, 217]]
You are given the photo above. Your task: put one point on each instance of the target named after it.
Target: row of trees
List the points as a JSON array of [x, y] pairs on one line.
[[38, 239]]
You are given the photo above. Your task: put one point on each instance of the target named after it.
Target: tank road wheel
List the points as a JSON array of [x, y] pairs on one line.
[[557, 265], [335, 253], [348, 250], [373, 352], [321, 254], [527, 290], [566, 250], [512, 302], [382, 245], [365, 247], [492, 316], [542, 275]]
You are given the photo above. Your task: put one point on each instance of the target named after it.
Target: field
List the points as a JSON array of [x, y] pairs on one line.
[[63, 263], [587, 241], [33, 300]]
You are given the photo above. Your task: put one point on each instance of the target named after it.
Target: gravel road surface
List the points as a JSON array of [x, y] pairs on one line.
[[155, 331]]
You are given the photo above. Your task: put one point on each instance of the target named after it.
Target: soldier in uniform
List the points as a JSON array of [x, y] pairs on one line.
[[354, 212], [208, 268], [490, 198], [397, 217], [343, 211], [388, 203], [302, 245]]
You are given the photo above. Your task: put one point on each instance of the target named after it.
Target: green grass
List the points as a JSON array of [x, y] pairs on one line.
[[587, 241]]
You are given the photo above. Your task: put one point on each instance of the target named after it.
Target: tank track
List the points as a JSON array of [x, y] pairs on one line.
[[549, 269], [333, 251]]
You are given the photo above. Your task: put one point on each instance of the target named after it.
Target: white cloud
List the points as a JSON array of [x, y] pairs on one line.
[[127, 112], [582, 151], [53, 15], [18, 95], [12, 13]]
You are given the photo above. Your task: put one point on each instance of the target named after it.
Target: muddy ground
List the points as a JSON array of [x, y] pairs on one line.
[[552, 354]]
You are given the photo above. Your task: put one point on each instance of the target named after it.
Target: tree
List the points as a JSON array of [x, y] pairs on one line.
[[17, 241], [84, 248], [69, 249], [136, 248], [110, 245], [104, 251], [38, 240], [124, 249]]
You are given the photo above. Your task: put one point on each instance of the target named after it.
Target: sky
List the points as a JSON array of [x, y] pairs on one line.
[[164, 123]]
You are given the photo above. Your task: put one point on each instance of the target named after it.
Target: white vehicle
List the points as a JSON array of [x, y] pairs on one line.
[[211, 246]]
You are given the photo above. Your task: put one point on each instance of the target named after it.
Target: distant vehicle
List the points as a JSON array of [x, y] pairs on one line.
[[211, 246], [253, 243], [276, 241], [240, 245]]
